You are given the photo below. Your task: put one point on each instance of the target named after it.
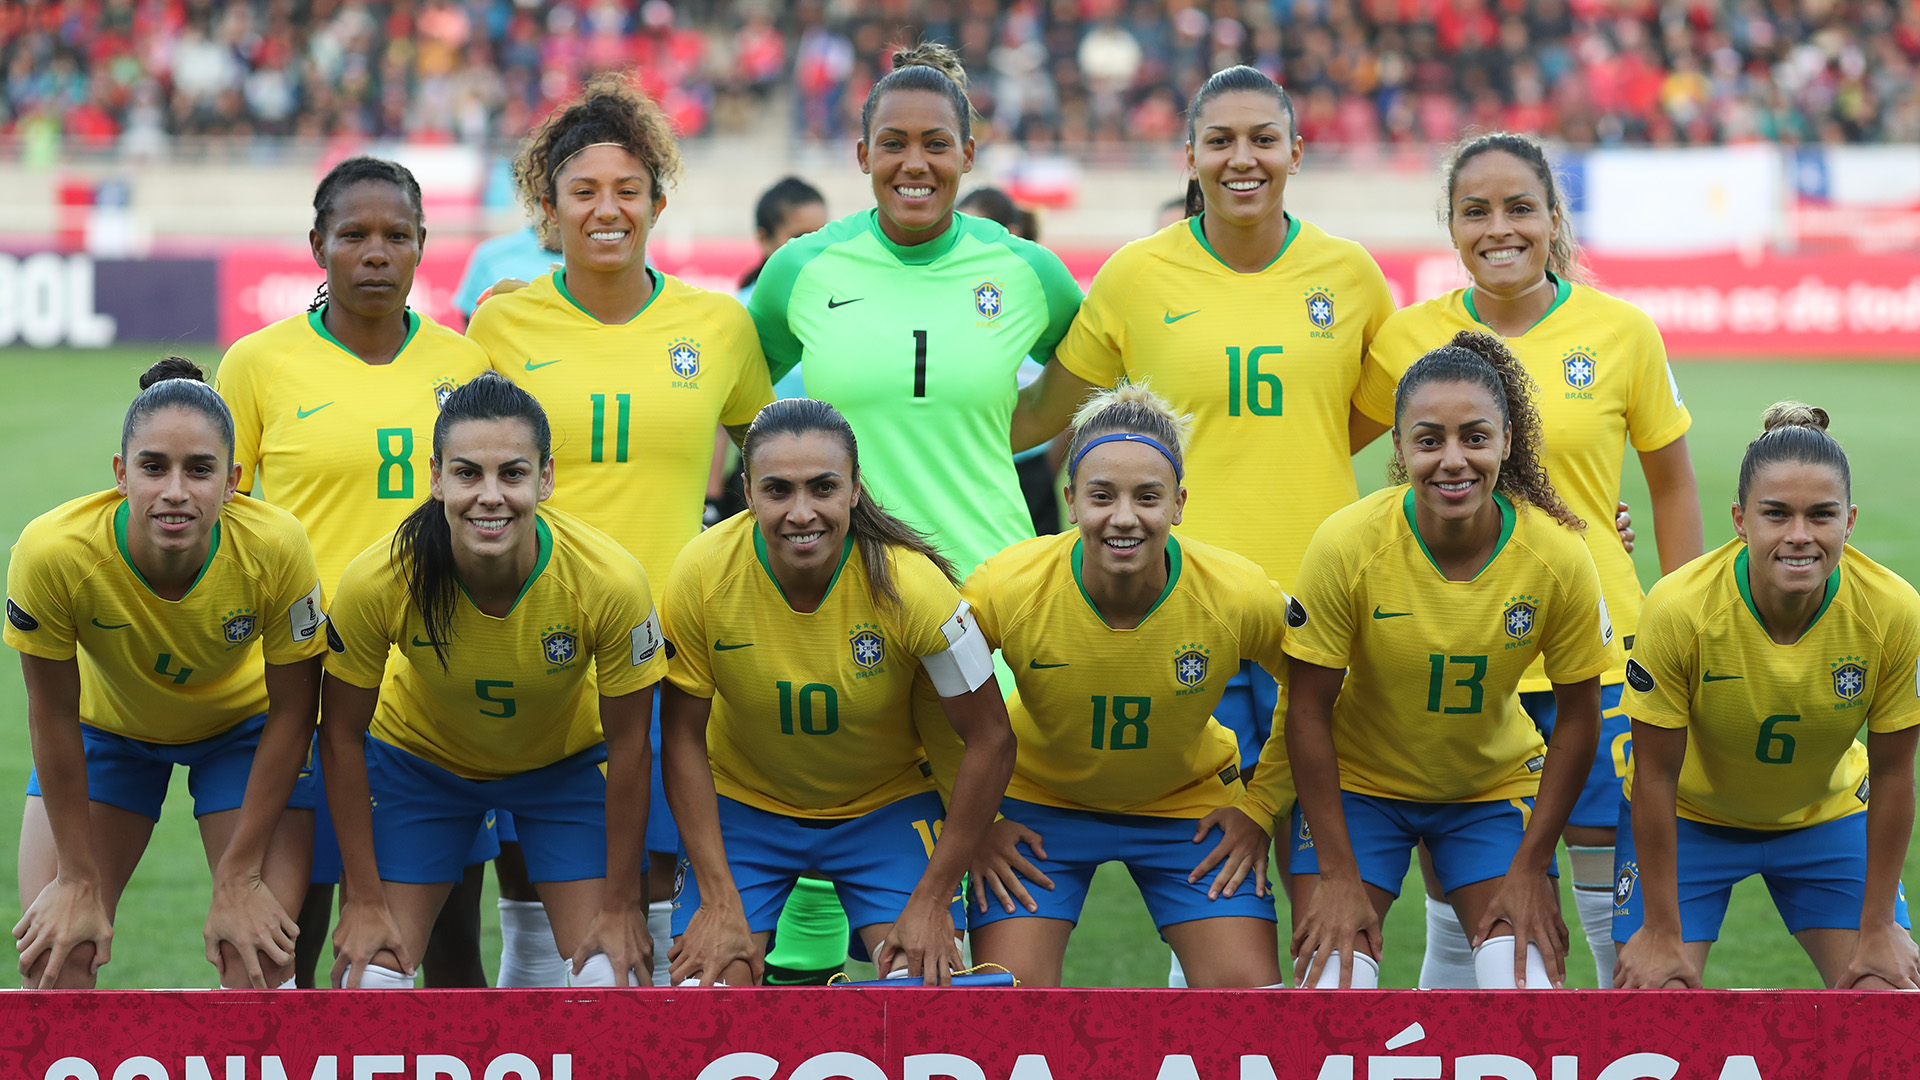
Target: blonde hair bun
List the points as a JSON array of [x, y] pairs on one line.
[[1794, 414]]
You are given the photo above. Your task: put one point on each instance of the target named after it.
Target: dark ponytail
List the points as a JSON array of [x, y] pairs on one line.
[[1482, 360], [869, 523], [1240, 77], [423, 544], [177, 382], [1796, 432]]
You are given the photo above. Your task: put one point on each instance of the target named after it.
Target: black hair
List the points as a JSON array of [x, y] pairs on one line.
[[1483, 360], [609, 110], [356, 170], [926, 66], [1235, 79], [1795, 432], [423, 544], [1563, 255], [996, 205], [771, 212], [869, 523], [175, 382]]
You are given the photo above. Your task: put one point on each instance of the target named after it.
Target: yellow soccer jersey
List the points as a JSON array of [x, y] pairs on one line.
[[1770, 728], [811, 714], [1604, 382], [165, 671], [1267, 363], [1428, 711], [1121, 721], [633, 407], [518, 692], [341, 443]]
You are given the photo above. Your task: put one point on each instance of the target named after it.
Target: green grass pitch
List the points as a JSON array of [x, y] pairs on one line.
[[60, 433]]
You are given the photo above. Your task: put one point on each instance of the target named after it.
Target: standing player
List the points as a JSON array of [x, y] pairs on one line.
[[1757, 666], [638, 368], [1607, 384], [333, 411], [1122, 615], [165, 623], [822, 610], [1419, 607], [913, 319], [788, 209], [531, 651]]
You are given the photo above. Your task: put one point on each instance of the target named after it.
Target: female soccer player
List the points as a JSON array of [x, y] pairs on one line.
[[165, 623], [532, 649], [786, 210], [1121, 615], [1608, 384], [913, 320], [818, 607], [638, 368], [1755, 668], [1419, 608], [332, 414]]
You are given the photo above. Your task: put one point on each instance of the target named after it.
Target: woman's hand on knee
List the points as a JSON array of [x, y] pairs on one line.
[[621, 934], [1654, 961], [1340, 918], [716, 947], [1530, 906], [922, 941], [366, 932], [1883, 954], [246, 916], [999, 866], [1242, 850], [64, 917]]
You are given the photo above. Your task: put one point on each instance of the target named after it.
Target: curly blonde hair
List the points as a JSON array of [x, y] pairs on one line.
[[610, 109]]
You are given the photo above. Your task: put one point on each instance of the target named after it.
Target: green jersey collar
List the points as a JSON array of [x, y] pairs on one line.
[[1746, 593], [1507, 519], [544, 538], [317, 319], [1561, 290], [1173, 578], [560, 284], [918, 254], [1200, 234], [120, 541], [760, 552]]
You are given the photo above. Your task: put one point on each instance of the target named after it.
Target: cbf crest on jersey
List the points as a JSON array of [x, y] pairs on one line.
[[1623, 885], [1849, 677], [559, 645], [1517, 620], [1579, 368], [868, 647], [683, 356], [1320, 309], [238, 626], [987, 300], [1190, 665], [443, 388]]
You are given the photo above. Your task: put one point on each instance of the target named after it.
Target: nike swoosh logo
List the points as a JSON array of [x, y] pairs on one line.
[[116, 626], [1711, 677], [1038, 666], [1378, 614], [418, 644], [717, 647], [304, 413], [832, 303], [531, 366], [1172, 318]]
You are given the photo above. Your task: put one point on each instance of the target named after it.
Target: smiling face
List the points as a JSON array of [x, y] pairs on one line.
[[1243, 150], [490, 477], [176, 474], [1126, 501], [1452, 441], [1796, 523], [370, 249], [801, 489], [604, 205], [1501, 223], [916, 158]]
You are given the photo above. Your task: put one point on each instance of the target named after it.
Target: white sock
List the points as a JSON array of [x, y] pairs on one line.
[[660, 925], [900, 972], [1176, 975], [695, 981], [598, 971], [1593, 900], [1272, 986], [528, 956], [1448, 963], [1493, 965], [1366, 973], [377, 977], [288, 985]]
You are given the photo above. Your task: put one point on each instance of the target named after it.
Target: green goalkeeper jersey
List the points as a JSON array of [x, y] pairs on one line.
[[918, 347]]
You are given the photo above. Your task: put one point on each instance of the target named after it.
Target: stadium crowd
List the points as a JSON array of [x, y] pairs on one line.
[[1077, 75]]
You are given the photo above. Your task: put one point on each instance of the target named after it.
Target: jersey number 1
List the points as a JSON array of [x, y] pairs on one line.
[[919, 363]]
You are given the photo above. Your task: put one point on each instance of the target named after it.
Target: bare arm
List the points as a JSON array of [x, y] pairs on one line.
[[367, 927], [1656, 957], [1885, 950], [619, 929], [1047, 404], [1677, 528], [1362, 430], [71, 910], [1340, 916], [717, 936]]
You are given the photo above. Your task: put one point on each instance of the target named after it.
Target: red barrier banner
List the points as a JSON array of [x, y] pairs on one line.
[[958, 1035]]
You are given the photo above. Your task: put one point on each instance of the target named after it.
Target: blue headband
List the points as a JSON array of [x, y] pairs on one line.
[[1128, 436]]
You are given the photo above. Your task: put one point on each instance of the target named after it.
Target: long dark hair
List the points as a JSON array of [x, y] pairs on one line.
[[927, 66], [423, 544], [869, 523], [1482, 360], [1796, 432], [353, 171], [1563, 255], [175, 382], [1227, 81]]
